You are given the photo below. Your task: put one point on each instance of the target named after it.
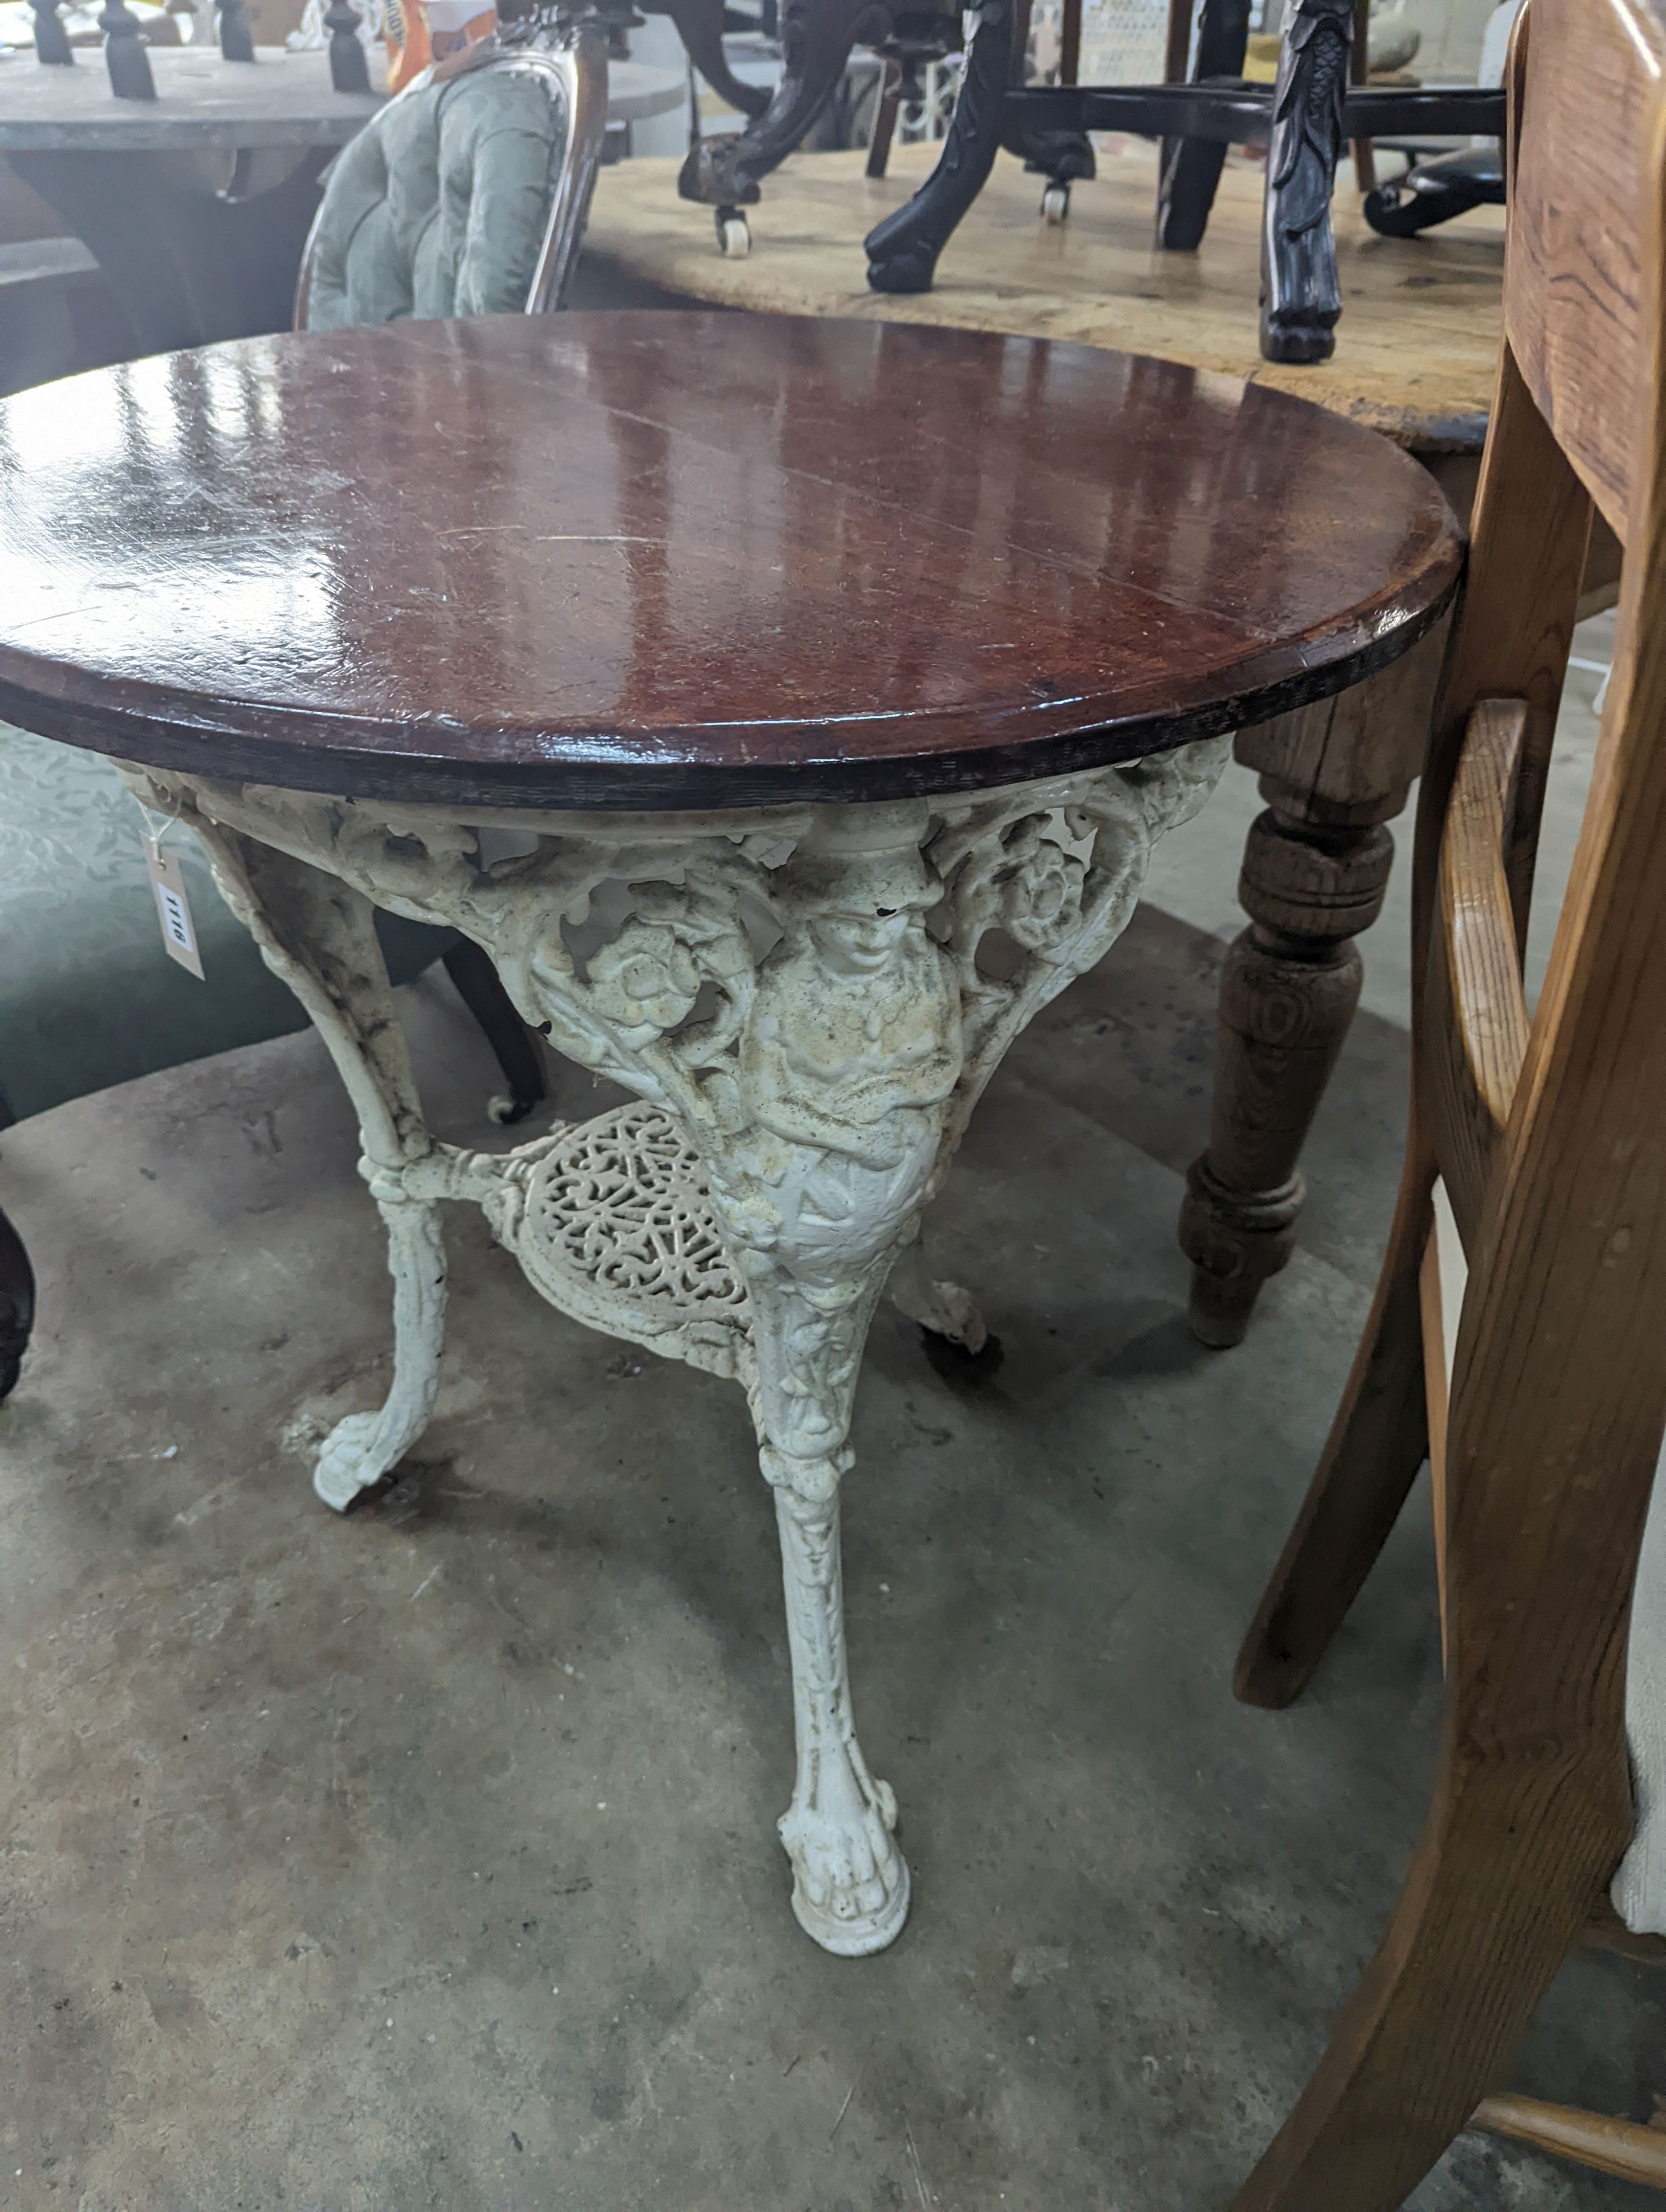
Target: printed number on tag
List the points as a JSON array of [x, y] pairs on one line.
[[174, 908]]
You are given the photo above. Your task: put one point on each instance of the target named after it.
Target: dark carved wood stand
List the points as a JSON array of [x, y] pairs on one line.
[[817, 39], [1305, 116]]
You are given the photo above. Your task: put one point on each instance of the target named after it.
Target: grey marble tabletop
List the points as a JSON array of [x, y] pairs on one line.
[[204, 103]]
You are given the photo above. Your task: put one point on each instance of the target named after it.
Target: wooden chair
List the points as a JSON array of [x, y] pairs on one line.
[[1541, 1145]]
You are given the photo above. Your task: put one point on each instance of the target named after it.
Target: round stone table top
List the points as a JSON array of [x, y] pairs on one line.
[[204, 103], [1417, 348], [660, 560]]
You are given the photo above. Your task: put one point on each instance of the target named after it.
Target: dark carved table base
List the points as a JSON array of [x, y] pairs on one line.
[[817, 39], [1304, 116]]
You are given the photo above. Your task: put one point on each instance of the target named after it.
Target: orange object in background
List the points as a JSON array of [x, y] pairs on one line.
[[423, 30]]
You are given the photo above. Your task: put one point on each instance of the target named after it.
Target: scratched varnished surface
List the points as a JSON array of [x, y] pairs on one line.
[[658, 560]]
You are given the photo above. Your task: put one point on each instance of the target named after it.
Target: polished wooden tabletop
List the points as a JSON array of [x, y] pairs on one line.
[[655, 560]]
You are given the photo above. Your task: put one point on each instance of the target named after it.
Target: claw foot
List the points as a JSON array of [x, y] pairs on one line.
[[850, 1883], [350, 1461]]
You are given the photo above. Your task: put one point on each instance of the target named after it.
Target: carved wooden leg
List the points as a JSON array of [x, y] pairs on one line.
[[903, 250], [320, 937], [1190, 167], [1300, 301], [1288, 995], [1315, 871], [816, 36]]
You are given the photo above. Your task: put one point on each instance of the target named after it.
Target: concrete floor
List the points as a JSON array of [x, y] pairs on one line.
[[426, 1857]]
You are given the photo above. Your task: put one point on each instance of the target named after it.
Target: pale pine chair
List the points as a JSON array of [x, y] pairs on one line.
[[1529, 1249]]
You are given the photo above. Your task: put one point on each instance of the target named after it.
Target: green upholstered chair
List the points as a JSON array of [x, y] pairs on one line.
[[466, 194]]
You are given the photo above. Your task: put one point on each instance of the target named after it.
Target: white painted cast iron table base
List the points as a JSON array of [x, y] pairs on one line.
[[807, 1002]]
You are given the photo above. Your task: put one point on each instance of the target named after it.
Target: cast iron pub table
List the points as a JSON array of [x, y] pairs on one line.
[[785, 761]]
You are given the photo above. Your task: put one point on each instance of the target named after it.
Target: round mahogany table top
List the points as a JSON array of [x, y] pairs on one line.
[[662, 561]]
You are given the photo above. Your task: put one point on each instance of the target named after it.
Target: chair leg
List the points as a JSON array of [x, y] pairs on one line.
[[884, 121], [16, 1305], [1377, 1444], [903, 250], [1515, 1853], [518, 1055], [1188, 170]]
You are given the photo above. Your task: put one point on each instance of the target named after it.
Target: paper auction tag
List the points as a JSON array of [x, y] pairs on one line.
[[173, 907]]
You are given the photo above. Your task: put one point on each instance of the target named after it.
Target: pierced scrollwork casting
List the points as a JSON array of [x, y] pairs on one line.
[[807, 1003]]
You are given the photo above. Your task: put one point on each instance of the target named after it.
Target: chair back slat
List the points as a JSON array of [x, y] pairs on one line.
[[1586, 113], [1477, 1025]]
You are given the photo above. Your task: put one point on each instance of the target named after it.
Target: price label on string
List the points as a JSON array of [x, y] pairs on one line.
[[167, 886]]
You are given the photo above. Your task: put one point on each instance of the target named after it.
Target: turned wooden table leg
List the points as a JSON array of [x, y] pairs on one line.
[[1315, 868]]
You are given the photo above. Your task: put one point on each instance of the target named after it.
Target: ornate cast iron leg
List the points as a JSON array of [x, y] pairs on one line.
[[816, 36], [1300, 301], [800, 1104], [903, 250], [318, 935], [850, 1883]]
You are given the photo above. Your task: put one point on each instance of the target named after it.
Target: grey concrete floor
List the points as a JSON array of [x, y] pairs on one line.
[[425, 1858]]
